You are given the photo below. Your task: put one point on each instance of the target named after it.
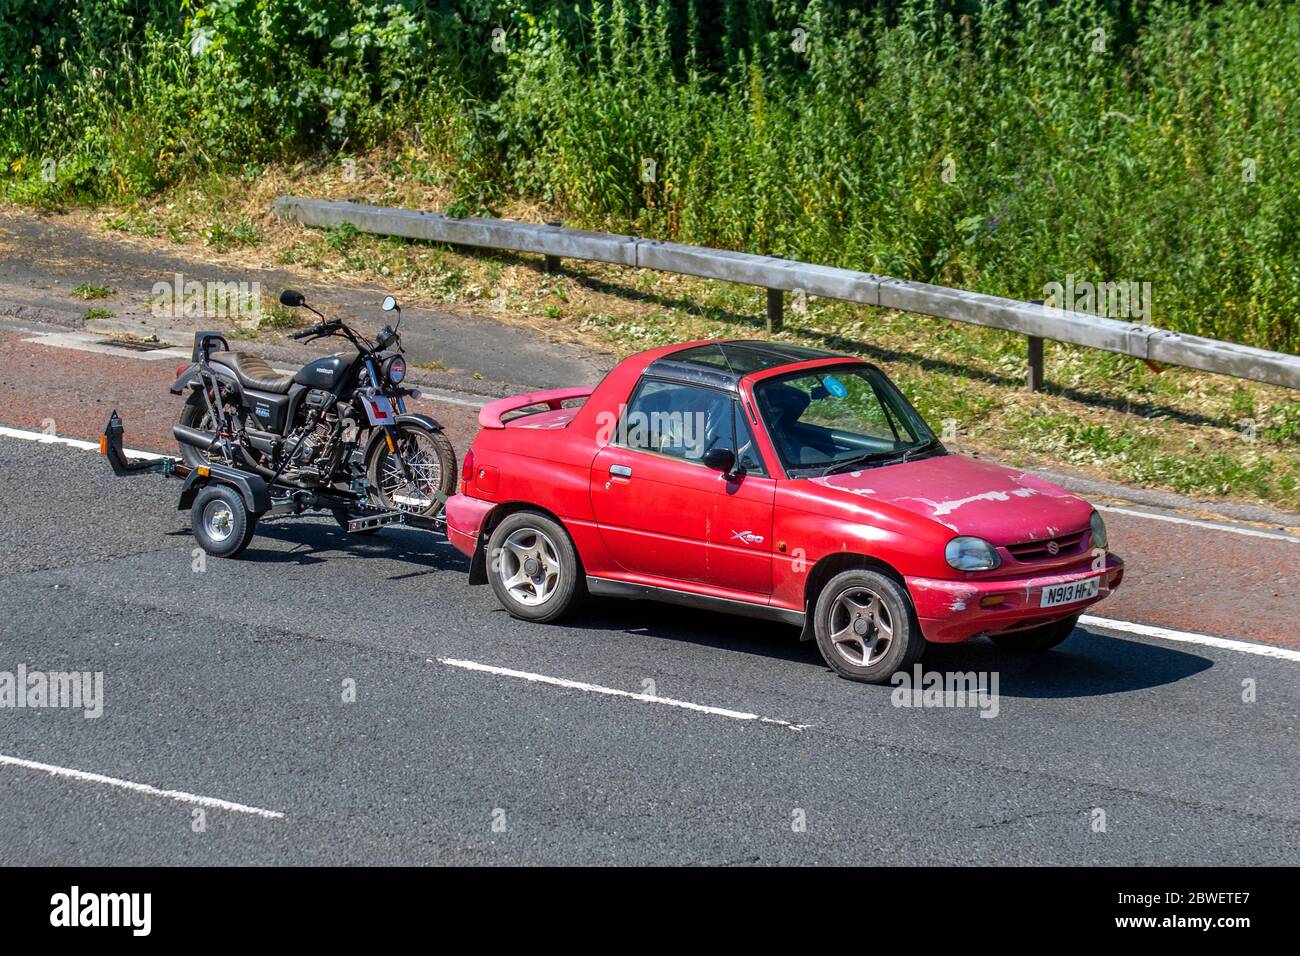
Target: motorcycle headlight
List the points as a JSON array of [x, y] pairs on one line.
[[1099, 539], [971, 554], [395, 369]]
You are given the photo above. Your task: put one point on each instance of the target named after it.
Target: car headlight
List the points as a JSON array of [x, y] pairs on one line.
[[395, 369], [971, 554], [1099, 539]]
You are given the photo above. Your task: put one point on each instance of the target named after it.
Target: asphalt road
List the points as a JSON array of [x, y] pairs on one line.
[[229, 683]]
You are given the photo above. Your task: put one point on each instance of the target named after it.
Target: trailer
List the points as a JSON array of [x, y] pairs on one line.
[[226, 502]]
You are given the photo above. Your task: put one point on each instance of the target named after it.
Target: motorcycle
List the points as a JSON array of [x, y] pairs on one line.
[[333, 434]]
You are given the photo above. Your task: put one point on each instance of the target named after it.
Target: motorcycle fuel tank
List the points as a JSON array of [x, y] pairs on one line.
[[325, 372]]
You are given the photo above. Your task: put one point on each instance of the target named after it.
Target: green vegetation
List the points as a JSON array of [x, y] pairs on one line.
[[990, 145], [88, 290]]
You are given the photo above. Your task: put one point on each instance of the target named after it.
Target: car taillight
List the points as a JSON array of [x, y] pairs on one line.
[[467, 467]]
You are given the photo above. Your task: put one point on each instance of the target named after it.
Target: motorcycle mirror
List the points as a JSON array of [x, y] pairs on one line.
[[292, 298], [389, 303]]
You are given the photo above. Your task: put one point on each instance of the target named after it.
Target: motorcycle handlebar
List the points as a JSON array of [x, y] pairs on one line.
[[320, 328]]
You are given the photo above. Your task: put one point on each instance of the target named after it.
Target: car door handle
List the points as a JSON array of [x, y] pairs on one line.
[[622, 471]]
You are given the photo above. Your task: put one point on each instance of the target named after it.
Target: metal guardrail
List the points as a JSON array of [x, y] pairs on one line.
[[1037, 322]]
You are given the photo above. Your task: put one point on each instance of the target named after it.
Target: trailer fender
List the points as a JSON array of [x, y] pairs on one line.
[[252, 488]]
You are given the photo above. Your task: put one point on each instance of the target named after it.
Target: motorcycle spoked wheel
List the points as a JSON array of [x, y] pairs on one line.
[[432, 462]]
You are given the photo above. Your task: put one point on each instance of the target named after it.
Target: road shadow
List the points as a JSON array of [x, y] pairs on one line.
[[690, 625], [315, 542], [1087, 664]]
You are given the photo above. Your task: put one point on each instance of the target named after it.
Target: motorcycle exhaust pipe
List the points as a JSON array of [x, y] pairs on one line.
[[206, 441], [194, 436]]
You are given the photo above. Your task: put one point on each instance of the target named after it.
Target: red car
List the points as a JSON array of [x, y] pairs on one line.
[[777, 482]]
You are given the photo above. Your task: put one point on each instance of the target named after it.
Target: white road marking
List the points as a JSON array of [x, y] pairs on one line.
[[1184, 637], [85, 342], [1199, 523], [45, 439], [613, 692], [178, 795]]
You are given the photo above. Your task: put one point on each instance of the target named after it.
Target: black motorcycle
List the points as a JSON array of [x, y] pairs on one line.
[[334, 434]]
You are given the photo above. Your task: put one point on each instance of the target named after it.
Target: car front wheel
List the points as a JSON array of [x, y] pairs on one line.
[[865, 627], [533, 567]]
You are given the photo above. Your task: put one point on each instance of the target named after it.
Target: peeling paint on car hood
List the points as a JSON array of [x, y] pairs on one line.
[[1003, 505]]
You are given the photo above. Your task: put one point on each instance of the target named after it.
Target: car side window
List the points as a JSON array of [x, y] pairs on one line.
[[680, 421]]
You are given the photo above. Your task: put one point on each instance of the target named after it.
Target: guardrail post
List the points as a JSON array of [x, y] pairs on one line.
[[1035, 377], [775, 310], [551, 264]]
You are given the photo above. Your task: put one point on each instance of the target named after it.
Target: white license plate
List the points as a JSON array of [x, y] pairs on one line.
[[1069, 593], [379, 408]]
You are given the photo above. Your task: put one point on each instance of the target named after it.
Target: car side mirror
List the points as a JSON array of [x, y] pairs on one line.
[[292, 298], [720, 459]]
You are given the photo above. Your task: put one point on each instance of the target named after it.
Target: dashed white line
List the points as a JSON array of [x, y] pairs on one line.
[[1186, 637], [46, 439], [614, 692], [1199, 523], [179, 795]]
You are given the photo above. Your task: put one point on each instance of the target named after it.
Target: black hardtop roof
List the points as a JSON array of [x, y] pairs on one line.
[[724, 364]]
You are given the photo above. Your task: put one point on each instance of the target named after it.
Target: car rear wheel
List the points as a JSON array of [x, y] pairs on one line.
[[1037, 640], [533, 567], [865, 627]]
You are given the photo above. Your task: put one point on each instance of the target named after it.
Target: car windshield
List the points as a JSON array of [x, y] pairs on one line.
[[841, 418]]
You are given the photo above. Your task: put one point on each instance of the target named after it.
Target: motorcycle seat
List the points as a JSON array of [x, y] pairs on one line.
[[253, 371]]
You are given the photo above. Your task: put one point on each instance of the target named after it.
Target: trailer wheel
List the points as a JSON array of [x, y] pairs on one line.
[[221, 522]]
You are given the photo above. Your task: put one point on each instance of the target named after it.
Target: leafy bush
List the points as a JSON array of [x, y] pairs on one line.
[[981, 143]]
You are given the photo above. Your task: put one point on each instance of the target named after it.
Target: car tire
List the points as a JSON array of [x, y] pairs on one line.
[[1037, 640], [221, 522], [854, 611], [533, 567]]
